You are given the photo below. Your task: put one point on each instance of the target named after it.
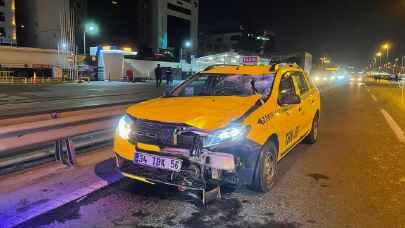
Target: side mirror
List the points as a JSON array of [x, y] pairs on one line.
[[290, 100]]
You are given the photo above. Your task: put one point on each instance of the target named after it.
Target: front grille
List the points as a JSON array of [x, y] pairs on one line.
[[157, 133]]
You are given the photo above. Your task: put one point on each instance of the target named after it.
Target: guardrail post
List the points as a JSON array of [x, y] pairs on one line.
[[70, 152], [58, 150], [58, 143], [67, 157]]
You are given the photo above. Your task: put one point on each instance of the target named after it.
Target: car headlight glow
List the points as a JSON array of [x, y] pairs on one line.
[[229, 134], [124, 127]]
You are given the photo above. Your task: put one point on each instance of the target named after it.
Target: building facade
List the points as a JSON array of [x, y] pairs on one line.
[[241, 41], [40, 22], [7, 23], [219, 42], [166, 24]]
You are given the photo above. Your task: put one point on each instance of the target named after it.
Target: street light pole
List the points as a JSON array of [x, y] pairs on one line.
[[403, 66], [91, 29], [84, 42]]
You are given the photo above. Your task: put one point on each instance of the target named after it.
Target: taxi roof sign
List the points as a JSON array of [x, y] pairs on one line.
[[250, 60]]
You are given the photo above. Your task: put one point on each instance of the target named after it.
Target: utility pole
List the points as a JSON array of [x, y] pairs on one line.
[[403, 62], [84, 41]]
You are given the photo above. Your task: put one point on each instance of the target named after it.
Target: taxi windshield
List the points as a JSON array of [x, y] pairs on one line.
[[224, 85]]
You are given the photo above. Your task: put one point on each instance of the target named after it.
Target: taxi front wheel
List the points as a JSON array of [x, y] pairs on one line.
[[312, 137], [266, 169]]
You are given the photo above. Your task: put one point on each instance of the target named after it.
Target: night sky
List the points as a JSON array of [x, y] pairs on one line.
[[349, 31]]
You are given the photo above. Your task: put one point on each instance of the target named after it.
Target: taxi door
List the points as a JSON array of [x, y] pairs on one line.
[[305, 114], [289, 115]]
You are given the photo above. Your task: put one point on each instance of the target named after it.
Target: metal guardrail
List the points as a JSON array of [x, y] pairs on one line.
[[19, 135], [29, 80]]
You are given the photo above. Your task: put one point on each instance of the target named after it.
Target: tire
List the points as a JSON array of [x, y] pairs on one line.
[[313, 135], [266, 169]]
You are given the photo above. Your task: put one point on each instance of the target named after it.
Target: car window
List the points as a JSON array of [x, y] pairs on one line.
[[286, 87], [302, 84], [198, 86], [225, 85], [310, 82]]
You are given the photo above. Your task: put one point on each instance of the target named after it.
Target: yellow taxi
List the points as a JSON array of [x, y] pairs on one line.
[[227, 125]]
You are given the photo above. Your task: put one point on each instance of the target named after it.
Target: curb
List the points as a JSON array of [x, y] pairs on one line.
[[60, 201]]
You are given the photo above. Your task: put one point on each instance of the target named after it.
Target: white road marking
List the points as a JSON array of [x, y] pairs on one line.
[[394, 126], [374, 98]]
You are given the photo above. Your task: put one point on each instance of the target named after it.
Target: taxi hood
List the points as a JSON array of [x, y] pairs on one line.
[[208, 113]]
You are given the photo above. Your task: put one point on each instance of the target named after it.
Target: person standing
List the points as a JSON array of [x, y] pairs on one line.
[[158, 76], [169, 77]]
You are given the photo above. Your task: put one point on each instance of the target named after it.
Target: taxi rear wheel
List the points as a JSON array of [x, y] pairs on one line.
[[313, 135], [266, 169]]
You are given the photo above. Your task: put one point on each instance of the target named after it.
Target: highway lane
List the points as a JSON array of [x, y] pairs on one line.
[[390, 97], [353, 177]]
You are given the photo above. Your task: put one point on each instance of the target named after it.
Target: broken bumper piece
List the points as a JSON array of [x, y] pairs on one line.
[[200, 173]]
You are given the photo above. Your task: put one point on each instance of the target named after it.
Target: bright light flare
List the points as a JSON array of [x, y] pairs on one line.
[[230, 134], [124, 127]]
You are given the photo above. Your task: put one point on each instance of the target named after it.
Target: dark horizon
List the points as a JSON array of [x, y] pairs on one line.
[[349, 32]]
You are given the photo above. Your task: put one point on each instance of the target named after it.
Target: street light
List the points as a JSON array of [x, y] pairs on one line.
[[187, 44], [91, 29], [386, 46]]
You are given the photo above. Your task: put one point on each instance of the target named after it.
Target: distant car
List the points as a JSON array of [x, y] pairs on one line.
[[356, 78], [228, 125]]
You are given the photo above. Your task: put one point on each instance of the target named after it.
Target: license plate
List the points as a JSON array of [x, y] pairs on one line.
[[157, 161]]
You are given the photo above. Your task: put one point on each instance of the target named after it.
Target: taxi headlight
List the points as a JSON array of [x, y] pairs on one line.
[[229, 134], [124, 127]]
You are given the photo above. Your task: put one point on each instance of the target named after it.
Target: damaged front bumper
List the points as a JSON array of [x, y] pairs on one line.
[[231, 164]]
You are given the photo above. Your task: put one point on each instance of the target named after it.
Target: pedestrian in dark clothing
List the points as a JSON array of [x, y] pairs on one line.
[[158, 76], [169, 77]]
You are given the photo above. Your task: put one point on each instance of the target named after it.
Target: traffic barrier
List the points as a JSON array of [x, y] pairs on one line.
[[28, 80], [21, 133]]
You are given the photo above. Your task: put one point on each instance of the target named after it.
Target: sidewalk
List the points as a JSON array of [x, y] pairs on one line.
[[32, 192]]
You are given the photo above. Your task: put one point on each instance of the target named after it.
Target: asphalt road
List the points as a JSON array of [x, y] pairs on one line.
[[353, 177], [16, 100]]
